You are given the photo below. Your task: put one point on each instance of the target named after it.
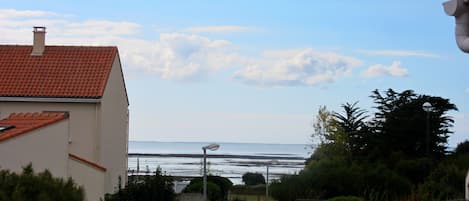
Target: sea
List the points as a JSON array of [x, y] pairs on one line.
[[231, 160]]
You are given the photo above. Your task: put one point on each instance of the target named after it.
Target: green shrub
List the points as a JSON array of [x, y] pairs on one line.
[[218, 191], [214, 192], [143, 188], [251, 179], [444, 183], [462, 148], [42, 186], [248, 190], [346, 198]]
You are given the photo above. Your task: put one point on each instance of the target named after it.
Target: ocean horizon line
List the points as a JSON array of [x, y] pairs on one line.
[[220, 142]]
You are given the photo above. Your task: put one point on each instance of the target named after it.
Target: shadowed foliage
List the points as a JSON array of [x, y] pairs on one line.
[[399, 153], [217, 187], [29, 186], [250, 178], [157, 187]]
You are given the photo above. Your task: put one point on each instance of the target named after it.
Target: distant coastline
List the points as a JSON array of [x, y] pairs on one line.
[[232, 160], [215, 156], [220, 142]]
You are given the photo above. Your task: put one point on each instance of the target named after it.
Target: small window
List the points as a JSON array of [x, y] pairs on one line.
[[5, 127]]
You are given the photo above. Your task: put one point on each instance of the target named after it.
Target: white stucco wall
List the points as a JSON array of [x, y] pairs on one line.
[[98, 131], [114, 113], [90, 178], [83, 125], [45, 148]]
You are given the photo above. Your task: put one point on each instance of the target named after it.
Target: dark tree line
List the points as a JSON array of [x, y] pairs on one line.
[[401, 123], [41, 186], [217, 187], [156, 187], [398, 153]]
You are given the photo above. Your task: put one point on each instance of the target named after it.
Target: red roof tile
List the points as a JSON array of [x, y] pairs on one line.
[[61, 72], [25, 122], [80, 159]]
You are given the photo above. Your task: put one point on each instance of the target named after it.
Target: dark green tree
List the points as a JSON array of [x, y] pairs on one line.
[[217, 187], [400, 124], [42, 186], [250, 178], [324, 127], [353, 125], [393, 161], [157, 187], [329, 139], [462, 148]]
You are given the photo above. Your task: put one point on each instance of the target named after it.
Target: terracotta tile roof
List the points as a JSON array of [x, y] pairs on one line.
[[61, 72], [25, 122], [82, 160]]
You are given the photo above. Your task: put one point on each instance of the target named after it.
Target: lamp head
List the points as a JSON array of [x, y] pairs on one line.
[[272, 162], [212, 147], [427, 107]]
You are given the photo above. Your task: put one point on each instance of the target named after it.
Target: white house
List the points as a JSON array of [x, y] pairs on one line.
[[78, 94]]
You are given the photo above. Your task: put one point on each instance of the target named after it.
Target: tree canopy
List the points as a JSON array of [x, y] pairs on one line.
[[251, 178], [401, 124], [157, 187], [29, 186], [217, 187], [399, 152]]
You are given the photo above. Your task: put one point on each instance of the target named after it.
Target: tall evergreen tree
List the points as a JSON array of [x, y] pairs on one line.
[[401, 123], [353, 124]]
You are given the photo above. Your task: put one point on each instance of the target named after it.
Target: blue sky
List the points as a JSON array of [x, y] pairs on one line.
[[256, 71]]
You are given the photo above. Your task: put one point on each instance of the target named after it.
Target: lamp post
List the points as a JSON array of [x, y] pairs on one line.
[[211, 147], [427, 107], [267, 164]]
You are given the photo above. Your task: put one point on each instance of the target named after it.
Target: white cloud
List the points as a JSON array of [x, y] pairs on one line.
[[13, 13], [467, 90], [179, 56], [395, 70], [401, 53], [296, 67], [218, 29], [173, 56], [99, 28]]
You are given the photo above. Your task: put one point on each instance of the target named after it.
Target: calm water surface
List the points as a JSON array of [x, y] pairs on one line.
[[234, 159]]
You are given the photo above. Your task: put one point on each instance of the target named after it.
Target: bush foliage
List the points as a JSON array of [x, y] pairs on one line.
[[346, 198], [157, 187], [217, 187], [391, 155], [43, 186], [251, 178]]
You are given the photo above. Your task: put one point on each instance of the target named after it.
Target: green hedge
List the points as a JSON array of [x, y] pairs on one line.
[[346, 198], [41, 186]]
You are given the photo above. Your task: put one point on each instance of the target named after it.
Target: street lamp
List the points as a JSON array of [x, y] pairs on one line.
[[211, 147], [267, 164], [427, 107]]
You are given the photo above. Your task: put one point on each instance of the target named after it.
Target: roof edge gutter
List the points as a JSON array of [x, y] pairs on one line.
[[53, 100]]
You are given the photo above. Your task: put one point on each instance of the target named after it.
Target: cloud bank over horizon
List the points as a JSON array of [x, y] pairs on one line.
[[189, 56]]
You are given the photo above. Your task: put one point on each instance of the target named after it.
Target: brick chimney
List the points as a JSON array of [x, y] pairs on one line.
[[39, 42]]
